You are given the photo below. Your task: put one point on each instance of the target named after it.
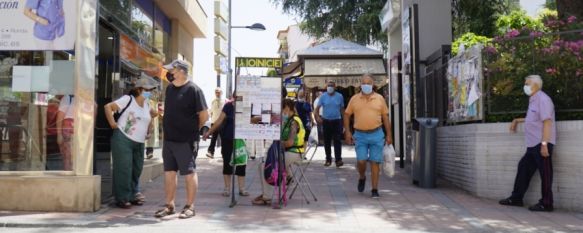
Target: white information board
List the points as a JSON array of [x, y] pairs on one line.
[[258, 108]]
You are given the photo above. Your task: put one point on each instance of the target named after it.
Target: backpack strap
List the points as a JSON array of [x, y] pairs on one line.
[[126, 107]]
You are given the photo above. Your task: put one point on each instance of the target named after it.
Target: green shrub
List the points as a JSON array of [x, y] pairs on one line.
[[468, 40]]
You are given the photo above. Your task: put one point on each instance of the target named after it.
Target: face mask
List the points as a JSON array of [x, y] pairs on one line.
[[285, 117], [366, 88], [330, 90], [170, 77], [147, 94], [527, 90]]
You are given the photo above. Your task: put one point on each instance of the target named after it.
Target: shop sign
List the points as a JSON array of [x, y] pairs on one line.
[[221, 10], [35, 25], [132, 52], [221, 46], [344, 66], [220, 64], [221, 28], [342, 81], [259, 62]]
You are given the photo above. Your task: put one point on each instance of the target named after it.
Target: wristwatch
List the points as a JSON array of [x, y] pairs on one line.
[[544, 143]]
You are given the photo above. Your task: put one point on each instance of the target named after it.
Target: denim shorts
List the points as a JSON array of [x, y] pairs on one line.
[[369, 146]]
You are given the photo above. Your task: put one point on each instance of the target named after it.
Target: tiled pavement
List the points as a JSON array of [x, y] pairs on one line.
[[340, 208]]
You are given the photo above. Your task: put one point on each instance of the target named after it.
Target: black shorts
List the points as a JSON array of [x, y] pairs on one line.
[[179, 156]]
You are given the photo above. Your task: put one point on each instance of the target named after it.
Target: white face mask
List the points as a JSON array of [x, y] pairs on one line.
[[330, 90], [527, 90]]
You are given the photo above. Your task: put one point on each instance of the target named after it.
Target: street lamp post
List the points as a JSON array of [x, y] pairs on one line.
[[255, 27]]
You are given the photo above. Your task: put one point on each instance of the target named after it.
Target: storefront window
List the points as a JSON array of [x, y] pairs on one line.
[[36, 121], [119, 8], [142, 24], [161, 40]]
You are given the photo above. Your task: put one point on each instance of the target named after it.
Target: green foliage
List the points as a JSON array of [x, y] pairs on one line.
[[517, 20], [353, 20], [479, 17], [535, 46], [551, 4], [468, 40]]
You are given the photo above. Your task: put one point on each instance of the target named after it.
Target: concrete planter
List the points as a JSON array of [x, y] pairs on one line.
[[482, 159]]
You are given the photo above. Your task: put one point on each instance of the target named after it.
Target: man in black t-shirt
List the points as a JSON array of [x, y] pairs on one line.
[[185, 112]]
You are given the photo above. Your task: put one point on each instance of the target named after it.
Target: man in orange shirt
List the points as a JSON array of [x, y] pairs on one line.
[[370, 115]]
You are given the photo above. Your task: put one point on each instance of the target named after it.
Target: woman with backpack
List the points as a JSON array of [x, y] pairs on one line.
[[226, 121], [292, 140], [130, 131]]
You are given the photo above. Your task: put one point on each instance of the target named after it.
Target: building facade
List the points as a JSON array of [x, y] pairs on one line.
[[115, 41]]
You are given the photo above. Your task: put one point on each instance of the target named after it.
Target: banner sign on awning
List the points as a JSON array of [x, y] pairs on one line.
[[38, 25], [342, 81], [343, 66]]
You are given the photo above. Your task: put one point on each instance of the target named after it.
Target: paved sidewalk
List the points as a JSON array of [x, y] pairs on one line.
[[340, 208]]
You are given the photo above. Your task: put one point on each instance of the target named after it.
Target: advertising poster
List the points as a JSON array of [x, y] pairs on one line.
[[464, 76], [258, 108], [38, 24]]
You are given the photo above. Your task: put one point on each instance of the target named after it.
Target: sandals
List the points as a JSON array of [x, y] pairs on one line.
[[168, 210], [187, 212], [226, 192], [243, 193], [260, 201], [123, 205]]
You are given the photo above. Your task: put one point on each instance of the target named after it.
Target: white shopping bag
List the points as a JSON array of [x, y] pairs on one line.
[[313, 138], [389, 165]]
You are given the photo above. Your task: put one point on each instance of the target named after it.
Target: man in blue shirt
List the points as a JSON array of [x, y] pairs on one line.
[[333, 104]]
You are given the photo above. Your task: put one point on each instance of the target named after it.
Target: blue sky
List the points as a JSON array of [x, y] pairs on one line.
[[244, 42]]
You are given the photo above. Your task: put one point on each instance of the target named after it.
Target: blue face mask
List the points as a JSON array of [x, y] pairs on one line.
[[330, 90], [366, 88], [147, 94]]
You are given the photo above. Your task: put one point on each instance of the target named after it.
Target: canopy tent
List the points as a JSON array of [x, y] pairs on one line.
[[343, 62]]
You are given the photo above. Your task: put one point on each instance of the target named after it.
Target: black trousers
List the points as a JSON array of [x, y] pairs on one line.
[[227, 152], [529, 163], [333, 131], [214, 139]]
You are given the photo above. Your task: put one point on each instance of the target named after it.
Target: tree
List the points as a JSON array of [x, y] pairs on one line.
[[567, 8], [353, 20], [479, 17]]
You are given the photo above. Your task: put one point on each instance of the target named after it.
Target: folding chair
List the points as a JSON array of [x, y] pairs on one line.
[[301, 167]]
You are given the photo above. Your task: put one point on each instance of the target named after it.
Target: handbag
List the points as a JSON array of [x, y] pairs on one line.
[[117, 115]]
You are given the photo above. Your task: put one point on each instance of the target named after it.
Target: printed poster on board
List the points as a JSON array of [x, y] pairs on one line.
[[38, 24], [258, 108]]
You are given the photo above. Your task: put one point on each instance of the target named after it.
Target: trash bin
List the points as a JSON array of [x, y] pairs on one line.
[[424, 158]]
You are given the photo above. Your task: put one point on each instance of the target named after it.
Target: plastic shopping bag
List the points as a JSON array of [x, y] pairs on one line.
[[389, 165], [313, 138], [241, 153]]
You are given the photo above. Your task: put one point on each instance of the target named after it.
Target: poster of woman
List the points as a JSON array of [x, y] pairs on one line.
[[38, 25]]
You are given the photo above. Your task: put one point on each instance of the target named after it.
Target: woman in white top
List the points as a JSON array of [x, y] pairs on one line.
[[127, 143]]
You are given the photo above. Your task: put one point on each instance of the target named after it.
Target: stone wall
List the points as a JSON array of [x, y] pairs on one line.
[[482, 159]]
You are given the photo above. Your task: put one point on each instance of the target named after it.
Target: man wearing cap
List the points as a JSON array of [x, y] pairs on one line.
[[216, 109], [185, 113], [540, 136]]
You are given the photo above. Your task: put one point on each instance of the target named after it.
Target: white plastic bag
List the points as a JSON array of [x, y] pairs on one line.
[[389, 165], [313, 138]]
